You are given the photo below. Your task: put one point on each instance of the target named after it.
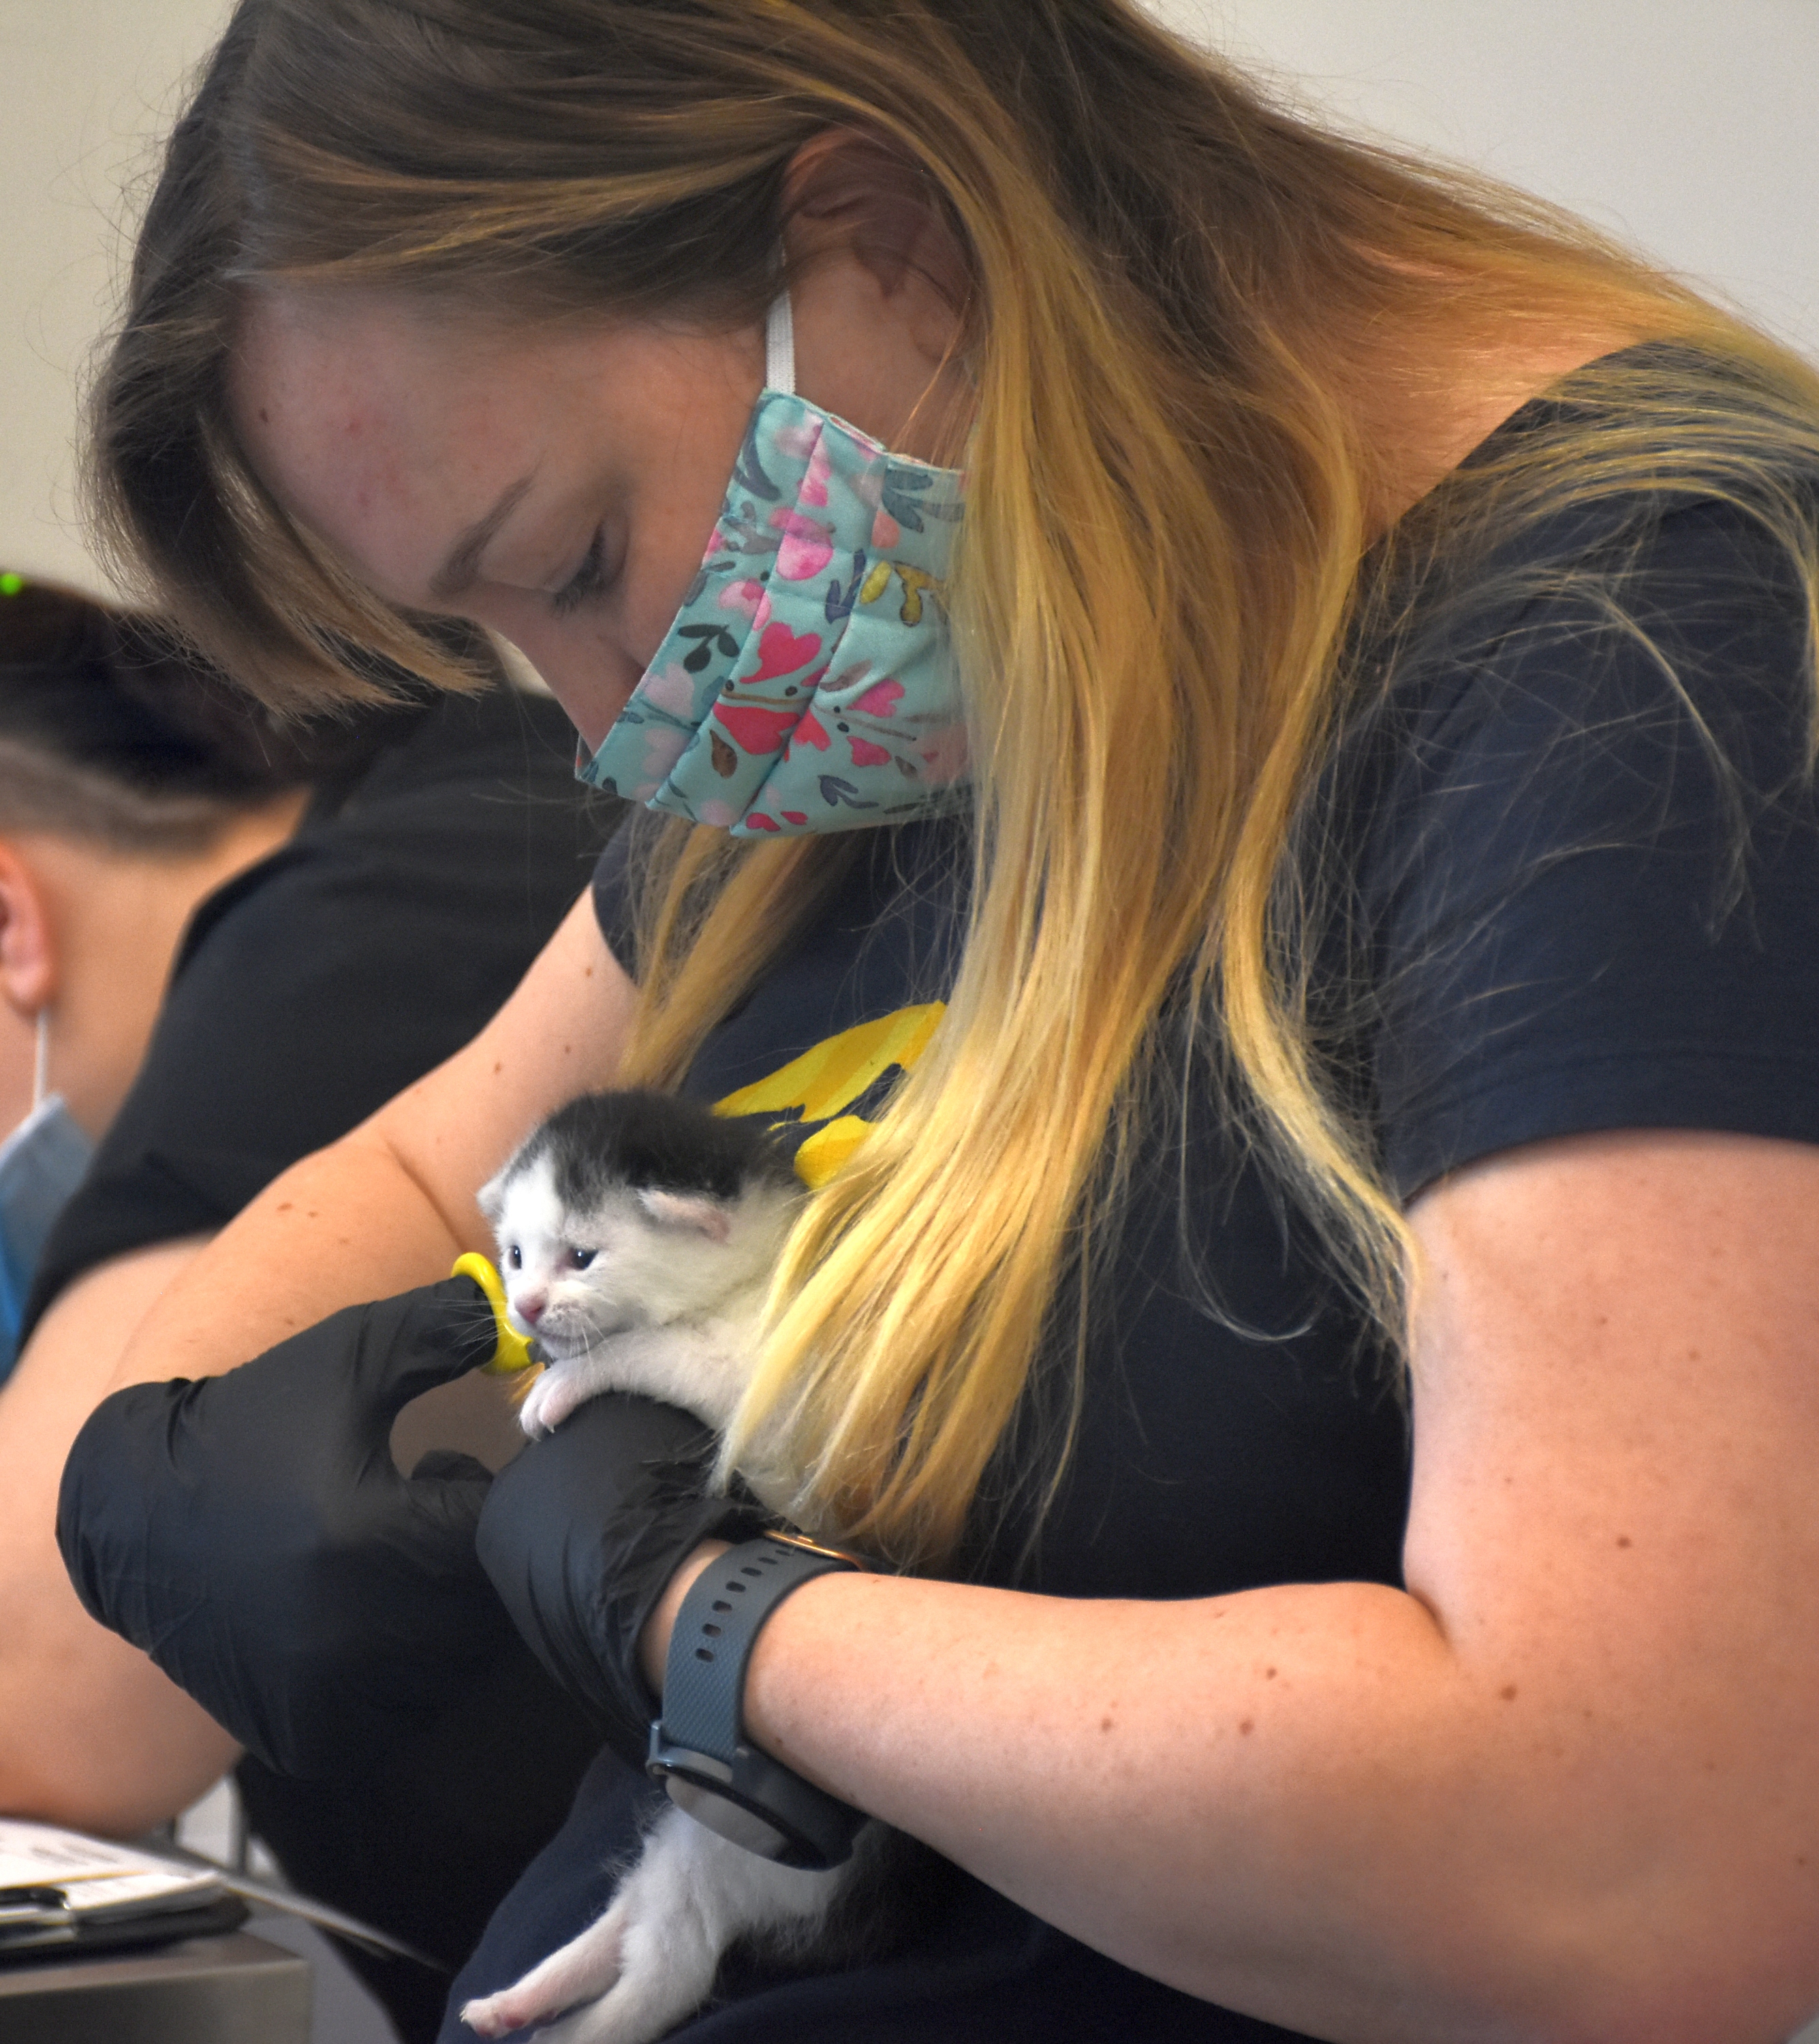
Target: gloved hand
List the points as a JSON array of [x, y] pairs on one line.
[[251, 1534], [581, 1534]]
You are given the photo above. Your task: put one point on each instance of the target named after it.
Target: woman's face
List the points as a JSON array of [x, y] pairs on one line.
[[555, 483]]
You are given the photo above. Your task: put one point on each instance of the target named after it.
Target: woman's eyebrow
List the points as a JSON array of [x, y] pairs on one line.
[[457, 572]]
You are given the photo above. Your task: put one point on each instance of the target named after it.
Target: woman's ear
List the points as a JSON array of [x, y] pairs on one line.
[[850, 193], [881, 289], [28, 941]]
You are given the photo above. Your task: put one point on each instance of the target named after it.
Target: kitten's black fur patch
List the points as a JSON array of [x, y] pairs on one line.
[[652, 1142]]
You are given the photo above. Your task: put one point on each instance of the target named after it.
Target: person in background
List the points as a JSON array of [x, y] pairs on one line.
[[132, 786], [18, 1052], [225, 937], [18, 1061]]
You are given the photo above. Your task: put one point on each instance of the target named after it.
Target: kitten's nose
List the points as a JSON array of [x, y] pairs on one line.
[[531, 1306]]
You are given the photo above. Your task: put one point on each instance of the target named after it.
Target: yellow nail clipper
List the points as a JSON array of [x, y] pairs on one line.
[[514, 1352]]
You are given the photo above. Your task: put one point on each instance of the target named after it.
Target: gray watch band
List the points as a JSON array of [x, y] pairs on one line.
[[698, 1749]]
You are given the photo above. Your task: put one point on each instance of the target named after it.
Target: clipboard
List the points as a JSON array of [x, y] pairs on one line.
[[64, 1896]]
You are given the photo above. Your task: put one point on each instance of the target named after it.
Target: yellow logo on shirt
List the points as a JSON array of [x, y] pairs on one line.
[[818, 1085]]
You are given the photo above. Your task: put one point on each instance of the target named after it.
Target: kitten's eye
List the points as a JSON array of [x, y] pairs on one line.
[[515, 1256], [580, 1258]]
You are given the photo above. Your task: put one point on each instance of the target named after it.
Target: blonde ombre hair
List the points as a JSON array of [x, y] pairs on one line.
[[1177, 290]]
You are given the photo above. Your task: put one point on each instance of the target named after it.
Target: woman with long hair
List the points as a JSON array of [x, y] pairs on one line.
[[1239, 768]]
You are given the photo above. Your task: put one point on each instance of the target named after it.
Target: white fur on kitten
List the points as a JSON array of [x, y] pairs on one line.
[[656, 1289], [667, 1302]]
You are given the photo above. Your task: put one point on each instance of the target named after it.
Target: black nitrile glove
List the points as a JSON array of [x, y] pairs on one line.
[[251, 1533], [581, 1534]]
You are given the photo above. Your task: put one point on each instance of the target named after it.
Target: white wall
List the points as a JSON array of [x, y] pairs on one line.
[[89, 84], [1689, 125]]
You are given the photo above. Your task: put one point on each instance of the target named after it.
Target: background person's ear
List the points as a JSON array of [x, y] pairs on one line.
[[27, 942]]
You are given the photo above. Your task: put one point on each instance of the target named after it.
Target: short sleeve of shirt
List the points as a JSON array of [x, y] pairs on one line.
[[316, 985], [1589, 882]]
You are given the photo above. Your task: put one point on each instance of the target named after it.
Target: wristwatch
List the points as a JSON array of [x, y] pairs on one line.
[[698, 1747]]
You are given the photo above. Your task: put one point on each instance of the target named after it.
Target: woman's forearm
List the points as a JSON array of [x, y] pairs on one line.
[[1207, 1791], [391, 1205], [343, 1226], [1301, 1802], [1566, 1790]]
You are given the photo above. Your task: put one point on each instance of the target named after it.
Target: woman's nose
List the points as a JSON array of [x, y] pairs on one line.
[[589, 677]]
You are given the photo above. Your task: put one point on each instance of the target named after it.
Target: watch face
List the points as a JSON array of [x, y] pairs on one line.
[[732, 1821]]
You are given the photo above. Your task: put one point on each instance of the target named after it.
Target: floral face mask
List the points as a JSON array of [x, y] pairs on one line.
[[808, 683]]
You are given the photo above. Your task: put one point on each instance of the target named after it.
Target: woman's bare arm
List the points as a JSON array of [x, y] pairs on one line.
[[90, 1732], [1566, 1787], [391, 1205]]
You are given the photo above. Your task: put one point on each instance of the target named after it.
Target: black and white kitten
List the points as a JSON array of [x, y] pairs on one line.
[[637, 1235]]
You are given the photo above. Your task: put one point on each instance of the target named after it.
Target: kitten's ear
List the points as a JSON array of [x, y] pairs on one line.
[[690, 1210], [490, 1199]]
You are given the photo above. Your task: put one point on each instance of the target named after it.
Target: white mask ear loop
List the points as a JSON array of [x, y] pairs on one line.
[[41, 1060], [780, 346]]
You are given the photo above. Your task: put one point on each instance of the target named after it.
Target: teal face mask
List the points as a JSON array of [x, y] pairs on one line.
[[41, 1163], [808, 683]]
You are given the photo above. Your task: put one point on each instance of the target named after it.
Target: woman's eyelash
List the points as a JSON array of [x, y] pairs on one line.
[[588, 580]]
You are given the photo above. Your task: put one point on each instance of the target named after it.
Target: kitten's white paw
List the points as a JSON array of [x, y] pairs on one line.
[[491, 2015], [558, 1391], [582, 1970], [531, 1414], [648, 2000]]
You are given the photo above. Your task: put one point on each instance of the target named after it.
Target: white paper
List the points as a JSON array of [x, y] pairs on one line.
[[97, 1877]]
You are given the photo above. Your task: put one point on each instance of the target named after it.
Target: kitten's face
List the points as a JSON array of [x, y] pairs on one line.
[[637, 1259]]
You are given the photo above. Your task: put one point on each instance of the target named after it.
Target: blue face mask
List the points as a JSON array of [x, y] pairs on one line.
[[808, 683], [41, 1163]]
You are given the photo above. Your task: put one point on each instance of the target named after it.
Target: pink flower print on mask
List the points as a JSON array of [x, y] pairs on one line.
[[881, 699], [662, 748], [820, 472], [781, 652], [672, 690], [798, 442], [886, 532], [748, 597], [943, 756], [756, 731], [812, 732], [866, 754], [807, 547]]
